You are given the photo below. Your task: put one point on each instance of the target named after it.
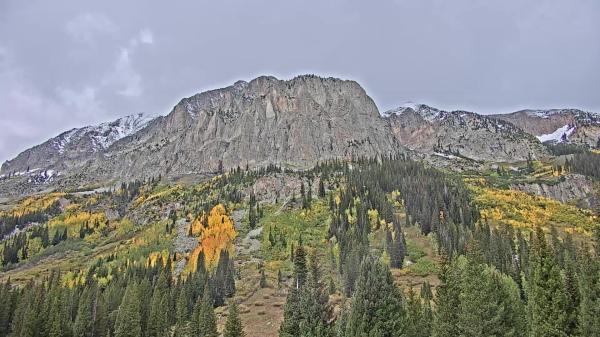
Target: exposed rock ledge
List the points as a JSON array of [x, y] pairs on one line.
[[570, 188]]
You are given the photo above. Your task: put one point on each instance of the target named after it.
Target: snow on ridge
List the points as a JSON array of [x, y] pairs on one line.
[[107, 133], [104, 134], [541, 113], [546, 113], [427, 112], [559, 135], [63, 140]]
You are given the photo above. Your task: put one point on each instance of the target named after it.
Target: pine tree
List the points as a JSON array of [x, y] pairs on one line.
[[426, 293], [83, 320], [395, 248], [303, 196], [157, 317], [207, 322], [513, 315], [378, 305], [263, 277], [58, 321], [447, 303], [279, 278], [181, 309], [128, 323], [6, 307], [589, 308], [571, 281], [321, 187], [233, 325], [479, 311], [306, 310], [309, 196], [33, 320], [290, 327], [252, 213], [144, 289], [300, 269], [547, 300], [417, 324]]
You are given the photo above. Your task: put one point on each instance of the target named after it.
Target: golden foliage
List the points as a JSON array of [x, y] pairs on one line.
[[216, 233], [155, 257], [35, 204], [73, 220], [524, 210]]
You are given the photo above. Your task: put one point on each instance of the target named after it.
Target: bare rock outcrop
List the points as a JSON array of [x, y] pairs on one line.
[[572, 188]]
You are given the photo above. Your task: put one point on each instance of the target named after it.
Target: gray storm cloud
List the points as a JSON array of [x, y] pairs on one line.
[[65, 64]]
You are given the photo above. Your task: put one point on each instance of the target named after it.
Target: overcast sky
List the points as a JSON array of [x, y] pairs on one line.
[[65, 64]]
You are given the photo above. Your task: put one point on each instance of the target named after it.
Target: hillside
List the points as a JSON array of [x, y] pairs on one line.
[[247, 228]]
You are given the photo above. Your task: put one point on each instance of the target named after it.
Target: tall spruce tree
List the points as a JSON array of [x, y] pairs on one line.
[[157, 318], [233, 325], [207, 322], [589, 307], [378, 305], [129, 322], [306, 311], [83, 320], [418, 323], [300, 269], [546, 293], [58, 324], [6, 307], [447, 303]]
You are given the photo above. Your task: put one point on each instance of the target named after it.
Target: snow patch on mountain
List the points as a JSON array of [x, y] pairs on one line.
[[559, 135], [428, 113], [542, 113], [547, 113], [105, 134]]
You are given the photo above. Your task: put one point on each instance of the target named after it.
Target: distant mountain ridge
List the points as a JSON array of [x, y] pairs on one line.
[[461, 134], [293, 123], [558, 125], [76, 145]]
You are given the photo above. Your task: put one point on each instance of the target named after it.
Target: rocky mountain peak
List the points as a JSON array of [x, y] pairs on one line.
[[293, 123], [76, 144], [460, 134], [426, 112], [558, 125]]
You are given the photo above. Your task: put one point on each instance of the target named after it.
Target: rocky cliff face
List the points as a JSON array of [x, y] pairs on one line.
[[558, 125], [571, 188], [461, 134], [293, 123]]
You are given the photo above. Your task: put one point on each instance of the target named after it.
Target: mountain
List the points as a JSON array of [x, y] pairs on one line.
[[558, 125], [294, 123], [74, 146], [460, 134]]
